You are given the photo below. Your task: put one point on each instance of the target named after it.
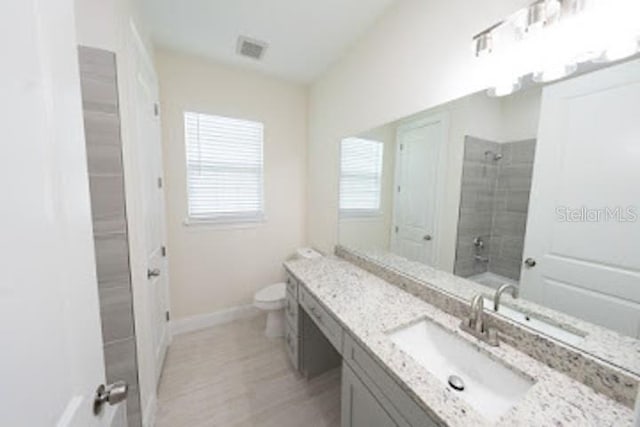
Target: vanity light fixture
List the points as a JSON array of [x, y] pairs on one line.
[[536, 16], [505, 87], [554, 72], [620, 50], [483, 42], [550, 38], [622, 34]]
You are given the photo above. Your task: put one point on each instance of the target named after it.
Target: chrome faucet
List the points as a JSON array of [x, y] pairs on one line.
[[475, 323], [476, 318], [500, 291]]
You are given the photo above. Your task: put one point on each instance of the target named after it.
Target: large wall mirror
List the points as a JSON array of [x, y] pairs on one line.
[[539, 189]]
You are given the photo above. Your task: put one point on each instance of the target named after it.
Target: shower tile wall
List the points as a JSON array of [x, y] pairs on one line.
[[493, 205], [479, 174], [104, 160], [511, 204]]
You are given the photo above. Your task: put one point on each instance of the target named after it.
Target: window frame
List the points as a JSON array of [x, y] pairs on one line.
[[233, 219]]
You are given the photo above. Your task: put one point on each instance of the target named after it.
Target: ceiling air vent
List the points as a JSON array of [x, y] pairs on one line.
[[251, 48]]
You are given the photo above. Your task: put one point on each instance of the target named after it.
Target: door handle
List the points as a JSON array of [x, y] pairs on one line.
[[153, 273], [427, 237], [111, 394], [530, 262]]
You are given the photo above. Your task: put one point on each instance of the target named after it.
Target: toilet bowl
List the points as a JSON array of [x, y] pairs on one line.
[[272, 299]]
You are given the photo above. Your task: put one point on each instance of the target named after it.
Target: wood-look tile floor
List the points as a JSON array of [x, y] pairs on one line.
[[232, 375]]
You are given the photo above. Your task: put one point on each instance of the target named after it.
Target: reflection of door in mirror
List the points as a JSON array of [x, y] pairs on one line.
[[418, 182], [583, 231]]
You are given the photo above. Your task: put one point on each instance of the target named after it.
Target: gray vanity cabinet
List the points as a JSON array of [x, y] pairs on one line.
[[396, 402], [322, 319], [317, 342], [311, 343], [360, 408], [292, 324]]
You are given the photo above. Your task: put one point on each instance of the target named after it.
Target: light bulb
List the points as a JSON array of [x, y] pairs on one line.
[[553, 72], [619, 28], [621, 49], [505, 87]]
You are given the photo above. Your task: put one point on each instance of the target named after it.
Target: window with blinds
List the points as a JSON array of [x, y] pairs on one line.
[[360, 177], [224, 168]]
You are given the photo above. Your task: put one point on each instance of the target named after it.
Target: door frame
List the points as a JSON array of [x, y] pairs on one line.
[[443, 118]]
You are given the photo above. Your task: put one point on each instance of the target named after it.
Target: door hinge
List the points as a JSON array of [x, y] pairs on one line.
[[398, 188], [397, 228], [401, 147], [159, 182], [163, 251], [156, 109], [167, 316]]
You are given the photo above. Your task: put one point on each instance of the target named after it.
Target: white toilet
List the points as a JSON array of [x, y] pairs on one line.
[[272, 299]]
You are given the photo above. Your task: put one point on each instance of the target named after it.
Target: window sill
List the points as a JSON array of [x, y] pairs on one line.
[[225, 223], [357, 216]]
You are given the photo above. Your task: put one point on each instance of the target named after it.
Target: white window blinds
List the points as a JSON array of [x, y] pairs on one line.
[[360, 176], [224, 168]]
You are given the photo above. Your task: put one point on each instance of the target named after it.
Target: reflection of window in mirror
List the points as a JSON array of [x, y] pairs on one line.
[[360, 177]]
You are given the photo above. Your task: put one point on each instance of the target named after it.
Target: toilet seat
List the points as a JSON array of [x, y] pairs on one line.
[[272, 297]]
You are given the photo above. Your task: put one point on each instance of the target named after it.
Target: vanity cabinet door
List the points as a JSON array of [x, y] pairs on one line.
[[360, 408], [395, 400], [291, 312], [292, 286], [291, 344]]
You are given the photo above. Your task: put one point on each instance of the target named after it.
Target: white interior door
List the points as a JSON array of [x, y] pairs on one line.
[[149, 155], [52, 360], [419, 164], [588, 156]]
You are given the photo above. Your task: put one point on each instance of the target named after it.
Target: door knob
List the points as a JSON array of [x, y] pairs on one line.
[[427, 237], [111, 394], [530, 262], [153, 273]]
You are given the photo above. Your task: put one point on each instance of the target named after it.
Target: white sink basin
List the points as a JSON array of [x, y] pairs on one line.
[[538, 324], [489, 387]]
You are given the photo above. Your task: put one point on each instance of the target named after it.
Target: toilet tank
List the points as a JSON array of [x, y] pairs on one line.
[[307, 253]]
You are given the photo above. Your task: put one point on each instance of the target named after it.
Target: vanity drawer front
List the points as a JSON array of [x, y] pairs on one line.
[[291, 344], [291, 311], [327, 324], [368, 369], [292, 286]]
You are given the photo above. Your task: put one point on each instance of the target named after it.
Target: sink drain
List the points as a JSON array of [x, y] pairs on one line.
[[456, 383]]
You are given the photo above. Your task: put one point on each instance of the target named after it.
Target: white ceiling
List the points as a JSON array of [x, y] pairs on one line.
[[304, 36]]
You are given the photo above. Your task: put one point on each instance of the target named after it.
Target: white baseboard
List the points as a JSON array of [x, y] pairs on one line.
[[208, 320]]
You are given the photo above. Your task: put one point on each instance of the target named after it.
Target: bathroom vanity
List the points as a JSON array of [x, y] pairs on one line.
[[406, 362]]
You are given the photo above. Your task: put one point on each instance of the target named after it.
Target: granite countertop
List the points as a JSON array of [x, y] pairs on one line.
[[368, 308], [616, 349]]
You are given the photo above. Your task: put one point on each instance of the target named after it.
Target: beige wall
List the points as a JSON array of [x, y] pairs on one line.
[[218, 267], [520, 115], [417, 56]]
